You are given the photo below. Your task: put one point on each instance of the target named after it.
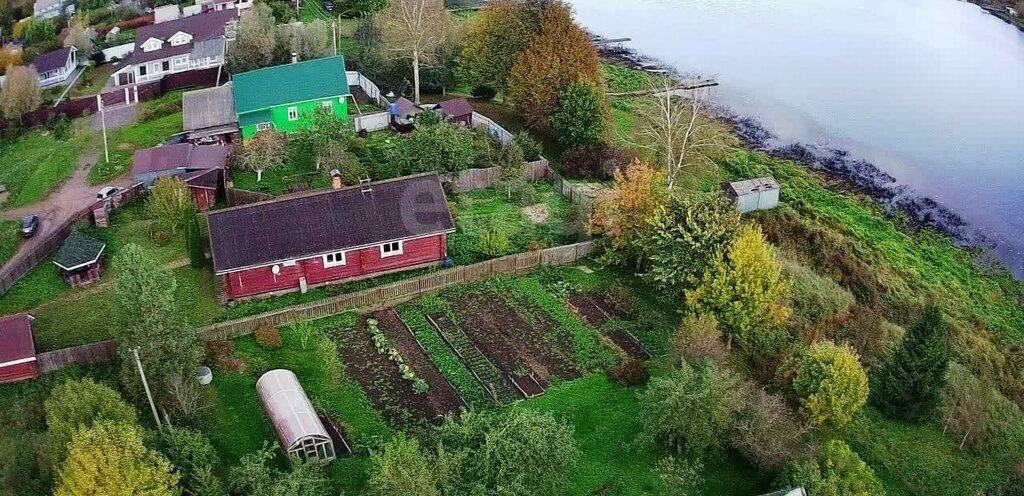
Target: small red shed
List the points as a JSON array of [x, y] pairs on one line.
[[457, 111], [205, 186], [17, 348], [308, 239]]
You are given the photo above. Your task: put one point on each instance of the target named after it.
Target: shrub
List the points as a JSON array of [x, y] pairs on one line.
[[767, 433], [484, 92], [60, 127], [632, 372], [831, 383], [581, 115], [427, 119], [596, 161], [698, 338], [493, 241], [442, 147], [191, 453], [220, 348], [691, 409], [268, 337], [837, 471], [232, 364], [529, 145]]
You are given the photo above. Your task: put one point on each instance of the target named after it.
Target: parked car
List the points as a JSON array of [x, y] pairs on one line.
[[107, 192], [328, 5], [29, 225]]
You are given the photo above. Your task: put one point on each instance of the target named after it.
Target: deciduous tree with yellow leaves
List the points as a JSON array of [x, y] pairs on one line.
[[831, 383], [744, 288], [109, 459], [624, 212]]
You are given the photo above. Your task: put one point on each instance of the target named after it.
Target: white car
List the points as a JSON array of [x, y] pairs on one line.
[[107, 192]]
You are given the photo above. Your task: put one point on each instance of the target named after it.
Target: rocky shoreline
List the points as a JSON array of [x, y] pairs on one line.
[[857, 175]]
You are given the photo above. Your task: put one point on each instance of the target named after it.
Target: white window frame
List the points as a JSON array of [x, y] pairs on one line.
[[180, 38], [262, 126], [181, 61], [152, 44], [327, 104], [332, 259], [293, 113], [386, 249]]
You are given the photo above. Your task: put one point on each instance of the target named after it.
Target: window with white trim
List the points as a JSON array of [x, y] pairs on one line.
[[327, 104], [293, 113], [334, 259], [263, 126], [391, 249]]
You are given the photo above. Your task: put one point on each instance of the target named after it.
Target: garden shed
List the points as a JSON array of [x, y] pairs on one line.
[[457, 111], [299, 430], [17, 348], [760, 193], [79, 259]]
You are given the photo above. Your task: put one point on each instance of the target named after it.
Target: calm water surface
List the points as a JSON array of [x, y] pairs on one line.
[[930, 91]]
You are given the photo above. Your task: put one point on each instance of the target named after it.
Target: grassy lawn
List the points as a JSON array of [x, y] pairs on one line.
[[489, 209], [285, 179], [93, 81], [35, 163], [234, 418], [10, 238], [158, 120], [606, 419]]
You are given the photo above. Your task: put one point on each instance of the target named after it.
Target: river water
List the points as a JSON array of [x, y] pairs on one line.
[[929, 91]]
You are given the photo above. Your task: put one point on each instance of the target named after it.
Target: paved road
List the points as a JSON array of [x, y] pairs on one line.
[[116, 117]]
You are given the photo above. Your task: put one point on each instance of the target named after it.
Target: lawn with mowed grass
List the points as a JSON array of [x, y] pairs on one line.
[[10, 238], [158, 121], [35, 163]]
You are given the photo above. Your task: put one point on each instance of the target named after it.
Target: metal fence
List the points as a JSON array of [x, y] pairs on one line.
[[372, 122], [24, 261], [499, 133], [356, 78]]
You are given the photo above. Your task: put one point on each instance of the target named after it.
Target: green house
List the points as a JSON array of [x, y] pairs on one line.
[[285, 97]]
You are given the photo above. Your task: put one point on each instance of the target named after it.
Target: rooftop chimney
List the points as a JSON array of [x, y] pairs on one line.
[[335, 179], [295, 57]]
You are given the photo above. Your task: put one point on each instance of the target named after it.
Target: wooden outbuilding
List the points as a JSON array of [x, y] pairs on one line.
[[760, 193], [457, 111], [299, 430], [80, 259], [17, 348]]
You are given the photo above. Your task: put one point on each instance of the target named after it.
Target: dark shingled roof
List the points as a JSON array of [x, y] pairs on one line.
[[16, 337], [51, 60], [78, 250], [180, 156], [455, 108], [209, 179], [202, 27], [311, 224]]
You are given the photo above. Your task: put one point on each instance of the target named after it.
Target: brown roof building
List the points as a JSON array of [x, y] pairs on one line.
[[17, 348]]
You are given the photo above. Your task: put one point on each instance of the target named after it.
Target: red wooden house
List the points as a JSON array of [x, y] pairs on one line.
[[206, 186], [299, 241], [17, 348]]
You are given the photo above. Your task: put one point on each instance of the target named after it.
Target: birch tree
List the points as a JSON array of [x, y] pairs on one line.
[[414, 30], [263, 151], [677, 129]]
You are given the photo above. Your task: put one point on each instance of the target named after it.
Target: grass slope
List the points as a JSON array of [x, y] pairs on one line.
[[10, 238], [35, 163]]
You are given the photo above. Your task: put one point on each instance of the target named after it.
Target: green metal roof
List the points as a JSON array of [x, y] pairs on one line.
[[253, 118], [78, 250], [289, 83]]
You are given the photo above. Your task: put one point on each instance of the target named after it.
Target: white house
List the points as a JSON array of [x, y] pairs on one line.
[[56, 67], [185, 44], [166, 13], [46, 9], [219, 5]]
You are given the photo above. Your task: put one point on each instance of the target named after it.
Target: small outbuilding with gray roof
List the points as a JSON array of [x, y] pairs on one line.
[[79, 260], [760, 193], [209, 115]]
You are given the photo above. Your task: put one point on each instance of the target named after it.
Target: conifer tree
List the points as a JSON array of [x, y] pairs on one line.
[[910, 382]]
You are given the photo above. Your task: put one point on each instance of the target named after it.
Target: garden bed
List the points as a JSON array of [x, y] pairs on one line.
[[501, 387], [442, 395], [380, 378], [596, 311], [518, 346]]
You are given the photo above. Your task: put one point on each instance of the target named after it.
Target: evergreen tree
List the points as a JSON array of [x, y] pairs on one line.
[[911, 380], [195, 244]]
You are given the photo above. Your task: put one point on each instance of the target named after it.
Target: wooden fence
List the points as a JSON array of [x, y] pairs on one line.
[[86, 354], [392, 294], [24, 261], [371, 299]]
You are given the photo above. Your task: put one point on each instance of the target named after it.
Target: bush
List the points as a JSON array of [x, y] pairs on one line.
[[60, 127], [441, 147], [218, 349], [581, 116], [269, 337], [232, 364], [632, 372], [484, 92], [191, 453], [493, 241], [831, 383], [427, 119], [597, 161], [838, 471], [767, 433], [529, 145], [698, 338]]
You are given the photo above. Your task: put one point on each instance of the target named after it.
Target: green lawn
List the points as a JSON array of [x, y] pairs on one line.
[[606, 418], [93, 81], [10, 238], [158, 120], [482, 210], [35, 163], [235, 421]]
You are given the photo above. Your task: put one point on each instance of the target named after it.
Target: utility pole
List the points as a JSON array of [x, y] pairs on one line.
[[103, 123], [145, 384], [334, 38]]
